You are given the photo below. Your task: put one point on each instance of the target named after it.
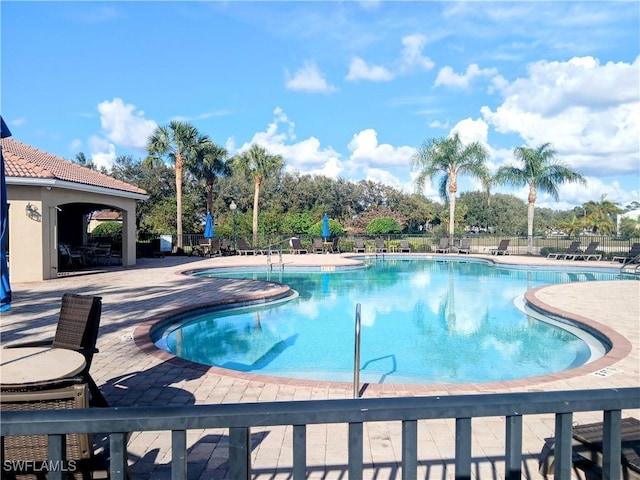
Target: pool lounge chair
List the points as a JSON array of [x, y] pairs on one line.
[[570, 252], [243, 247], [630, 257], [503, 248], [589, 253], [358, 245], [77, 329], [587, 450], [334, 247], [465, 246], [443, 245], [380, 246], [296, 246], [317, 245], [404, 247]]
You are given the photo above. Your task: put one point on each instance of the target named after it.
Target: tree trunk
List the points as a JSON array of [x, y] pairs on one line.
[[452, 219], [209, 190], [530, 209], [179, 168], [256, 195], [453, 188]]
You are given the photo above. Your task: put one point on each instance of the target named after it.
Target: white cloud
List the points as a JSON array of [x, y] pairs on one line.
[[448, 78], [306, 156], [411, 56], [470, 131], [103, 152], [309, 78], [367, 152], [359, 70], [587, 111], [123, 125]]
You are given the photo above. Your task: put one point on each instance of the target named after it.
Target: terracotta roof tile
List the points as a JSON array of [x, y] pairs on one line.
[[24, 161]]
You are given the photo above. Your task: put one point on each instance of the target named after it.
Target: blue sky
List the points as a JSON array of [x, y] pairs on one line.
[[344, 89]]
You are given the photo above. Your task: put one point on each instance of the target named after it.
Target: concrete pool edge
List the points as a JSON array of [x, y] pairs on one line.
[[620, 349]]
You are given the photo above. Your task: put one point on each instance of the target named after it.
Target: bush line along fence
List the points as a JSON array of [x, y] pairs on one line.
[[608, 246]]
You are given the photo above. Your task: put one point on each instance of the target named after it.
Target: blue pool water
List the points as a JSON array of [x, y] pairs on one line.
[[423, 321]]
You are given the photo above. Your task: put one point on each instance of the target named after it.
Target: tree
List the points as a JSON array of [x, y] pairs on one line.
[[599, 215], [180, 143], [210, 162], [540, 170], [383, 225], [451, 158], [256, 163]]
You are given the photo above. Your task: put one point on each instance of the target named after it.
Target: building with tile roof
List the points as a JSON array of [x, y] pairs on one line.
[[50, 200]]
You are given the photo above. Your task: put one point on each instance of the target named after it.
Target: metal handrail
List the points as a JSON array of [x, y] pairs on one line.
[[356, 356]]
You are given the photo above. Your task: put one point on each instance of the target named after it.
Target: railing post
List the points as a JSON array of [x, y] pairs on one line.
[[178, 454], [356, 356], [563, 450], [240, 453], [513, 453], [463, 449], [611, 444]]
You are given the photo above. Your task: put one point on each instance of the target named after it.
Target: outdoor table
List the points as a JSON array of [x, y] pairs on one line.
[[326, 246], [26, 367]]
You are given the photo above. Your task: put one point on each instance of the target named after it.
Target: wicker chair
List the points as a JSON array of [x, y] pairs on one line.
[[77, 330], [26, 454]]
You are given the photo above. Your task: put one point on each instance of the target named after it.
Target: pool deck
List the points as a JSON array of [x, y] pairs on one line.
[[130, 371]]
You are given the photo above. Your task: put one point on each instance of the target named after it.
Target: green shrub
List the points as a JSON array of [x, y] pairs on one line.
[[111, 230], [383, 225]]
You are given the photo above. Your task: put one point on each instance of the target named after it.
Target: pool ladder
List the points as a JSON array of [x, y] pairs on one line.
[[631, 266]]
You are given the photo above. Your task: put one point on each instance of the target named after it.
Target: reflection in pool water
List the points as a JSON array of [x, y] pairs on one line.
[[423, 321]]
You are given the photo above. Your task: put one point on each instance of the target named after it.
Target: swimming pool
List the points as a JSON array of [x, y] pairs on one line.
[[423, 321]]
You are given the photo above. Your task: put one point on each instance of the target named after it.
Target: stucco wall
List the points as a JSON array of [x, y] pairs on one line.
[[33, 235]]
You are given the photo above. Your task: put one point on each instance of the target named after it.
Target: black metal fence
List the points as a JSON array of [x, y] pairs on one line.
[[608, 246]]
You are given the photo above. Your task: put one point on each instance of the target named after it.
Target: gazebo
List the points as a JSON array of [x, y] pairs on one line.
[[50, 200]]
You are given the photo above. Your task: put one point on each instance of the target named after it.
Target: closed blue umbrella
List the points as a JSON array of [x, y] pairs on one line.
[[325, 226], [5, 286], [208, 226]]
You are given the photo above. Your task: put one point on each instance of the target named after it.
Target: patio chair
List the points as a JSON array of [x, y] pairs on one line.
[[358, 245], [243, 247], [465, 246], [503, 248], [443, 245], [632, 255], [587, 446], [317, 245], [334, 247], [589, 253], [70, 257], [77, 329], [404, 247], [227, 247], [27, 454], [380, 246], [296, 246], [569, 252]]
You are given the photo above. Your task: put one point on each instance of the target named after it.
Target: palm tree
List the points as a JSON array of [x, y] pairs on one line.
[[256, 164], [600, 215], [210, 162], [540, 170], [179, 142], [450, 157]]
